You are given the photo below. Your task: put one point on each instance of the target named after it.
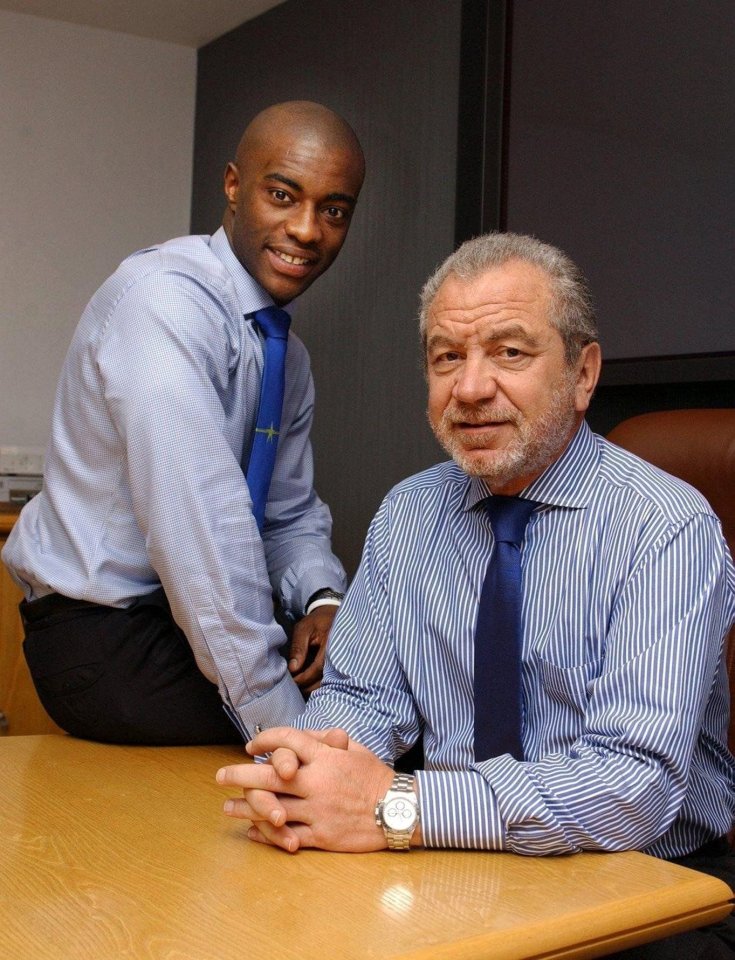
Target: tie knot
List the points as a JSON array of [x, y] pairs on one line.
[[273, 321], [509, 517]]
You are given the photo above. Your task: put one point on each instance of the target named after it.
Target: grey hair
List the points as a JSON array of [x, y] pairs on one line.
[[572, 312]]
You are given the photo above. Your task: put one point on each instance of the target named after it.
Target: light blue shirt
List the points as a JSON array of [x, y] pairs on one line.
[[144, 484], [628, 592]]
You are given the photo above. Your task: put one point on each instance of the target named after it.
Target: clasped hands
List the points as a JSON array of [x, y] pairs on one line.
[[317, 789]]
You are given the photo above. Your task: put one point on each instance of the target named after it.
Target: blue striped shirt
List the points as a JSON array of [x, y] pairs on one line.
[[144, 484], [628, 591]]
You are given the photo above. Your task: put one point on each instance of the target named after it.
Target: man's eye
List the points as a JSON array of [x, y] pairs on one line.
[[449, 356], [336, 213], [511, 353], [280, 195]]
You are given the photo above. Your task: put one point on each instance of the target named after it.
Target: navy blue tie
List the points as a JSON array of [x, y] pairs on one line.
[[498, 696], [274, 324]]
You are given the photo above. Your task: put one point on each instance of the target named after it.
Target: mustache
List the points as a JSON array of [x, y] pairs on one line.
[[479, 414]]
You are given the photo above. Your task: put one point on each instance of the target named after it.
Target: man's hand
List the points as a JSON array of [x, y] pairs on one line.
[[319, 789], [308, 646]]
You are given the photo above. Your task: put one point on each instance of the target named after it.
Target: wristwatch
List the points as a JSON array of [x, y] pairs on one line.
[[323, 597], [398, 812]]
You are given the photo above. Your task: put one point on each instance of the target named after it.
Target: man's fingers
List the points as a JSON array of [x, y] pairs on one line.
[[259, 805], [310, 678], [309, 638], [284, 837], [334, 737], [339, 739], [303, 744], [291, 837], [300, 639], [290, 746], [285, 763], [251, 776]]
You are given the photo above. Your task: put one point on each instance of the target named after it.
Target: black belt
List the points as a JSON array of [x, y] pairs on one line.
[[51, 605], [59, 607]]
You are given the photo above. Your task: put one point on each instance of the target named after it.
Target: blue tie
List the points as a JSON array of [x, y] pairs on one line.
[[274, 324], [498, 634]]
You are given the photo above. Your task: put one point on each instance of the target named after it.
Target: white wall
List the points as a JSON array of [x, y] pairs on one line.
[[96, 143]]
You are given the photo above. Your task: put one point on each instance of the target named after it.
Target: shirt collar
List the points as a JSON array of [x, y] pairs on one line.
[[250, 294], [566, 483]]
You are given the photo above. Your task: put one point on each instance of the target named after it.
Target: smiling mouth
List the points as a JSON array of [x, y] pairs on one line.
[[484, 425], [287, 258], [292, 261]]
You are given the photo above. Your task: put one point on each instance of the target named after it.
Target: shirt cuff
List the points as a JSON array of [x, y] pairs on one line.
[[296, 595], [323, 602], [458, 810], [322, 598], [277, 708]]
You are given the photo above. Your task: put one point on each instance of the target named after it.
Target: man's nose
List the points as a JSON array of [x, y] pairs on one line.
[[303, 224], [475, 382]]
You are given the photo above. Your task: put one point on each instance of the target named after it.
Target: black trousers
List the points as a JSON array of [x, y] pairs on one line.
[[121, 675]]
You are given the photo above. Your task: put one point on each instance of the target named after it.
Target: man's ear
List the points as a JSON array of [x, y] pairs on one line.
[[588, 367], [232, 185]]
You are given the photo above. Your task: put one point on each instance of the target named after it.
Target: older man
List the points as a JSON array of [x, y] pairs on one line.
[[168, 520], [610, 734]]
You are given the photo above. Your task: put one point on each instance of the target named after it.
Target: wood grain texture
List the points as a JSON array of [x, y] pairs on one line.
[[123, 852]]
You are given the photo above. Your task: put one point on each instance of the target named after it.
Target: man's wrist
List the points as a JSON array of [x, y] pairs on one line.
[[398, 812], [323, 598]]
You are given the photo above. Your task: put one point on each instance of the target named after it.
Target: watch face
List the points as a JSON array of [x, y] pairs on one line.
[[399, 814]]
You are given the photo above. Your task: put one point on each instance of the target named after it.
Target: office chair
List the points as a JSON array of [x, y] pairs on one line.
[[699, 447]]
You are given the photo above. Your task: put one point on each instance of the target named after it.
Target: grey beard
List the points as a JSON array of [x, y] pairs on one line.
[[537, 444]]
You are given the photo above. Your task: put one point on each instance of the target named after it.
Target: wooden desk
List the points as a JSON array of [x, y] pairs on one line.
[[123, 852]]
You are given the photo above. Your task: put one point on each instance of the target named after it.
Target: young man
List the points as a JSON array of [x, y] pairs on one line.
[[627, 592], [149, 583]]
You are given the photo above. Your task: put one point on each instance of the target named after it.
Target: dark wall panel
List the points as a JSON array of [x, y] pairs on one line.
[[620, 150], [392, 70]]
